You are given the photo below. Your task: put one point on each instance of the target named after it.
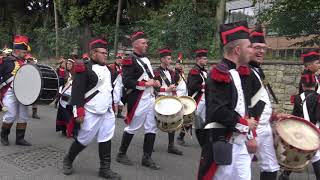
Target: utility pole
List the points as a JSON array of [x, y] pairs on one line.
[[116, 36], [56, 25]]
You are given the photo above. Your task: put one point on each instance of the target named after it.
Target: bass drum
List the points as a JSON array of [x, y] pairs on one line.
[[35, 84], [169, 113], [296, 142], [189, 108]]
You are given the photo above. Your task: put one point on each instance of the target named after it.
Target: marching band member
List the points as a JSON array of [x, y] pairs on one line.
[[116, 70], [16, 111], [61, 66], [226, 125], [196, 83], [182, 83], [91, 98], [261, 109], [168, 79], [138, 79], [33, 60], [65, 121], [182, 91], [306, 105], [311, 62]]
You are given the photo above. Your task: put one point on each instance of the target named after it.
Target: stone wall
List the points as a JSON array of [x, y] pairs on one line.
[[283, 76]]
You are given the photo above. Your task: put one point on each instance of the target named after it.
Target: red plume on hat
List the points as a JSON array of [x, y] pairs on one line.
[[21, 42]]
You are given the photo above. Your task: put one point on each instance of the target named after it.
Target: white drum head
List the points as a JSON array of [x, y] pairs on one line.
[[189, 104], [27, 84], [298, 134], [167, 105]]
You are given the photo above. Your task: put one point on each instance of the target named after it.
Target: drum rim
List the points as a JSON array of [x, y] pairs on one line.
[[191, 98], [55, 72], [41, 83], [165, 97], [301, 120]]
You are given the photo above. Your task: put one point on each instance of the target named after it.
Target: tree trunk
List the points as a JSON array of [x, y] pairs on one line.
[[220, 10], [116, 34], [56, 25]]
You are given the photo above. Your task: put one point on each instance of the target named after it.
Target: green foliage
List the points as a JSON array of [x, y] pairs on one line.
[[295, 18]]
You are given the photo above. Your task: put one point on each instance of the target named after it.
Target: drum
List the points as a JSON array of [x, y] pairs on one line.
[[35, 84], [169, 113], [189, 107], [296, 142]]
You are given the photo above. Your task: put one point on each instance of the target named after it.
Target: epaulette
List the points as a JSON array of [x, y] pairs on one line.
[[79, 66], [127, 61], [220, 73], [244, 71], [194, 71]]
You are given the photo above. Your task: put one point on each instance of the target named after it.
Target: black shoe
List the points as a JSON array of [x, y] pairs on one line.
[[109, 174], [148, 162], [174, 150], [22, 142], [35, 116], [123, 159], [67, 165], [5, 141]]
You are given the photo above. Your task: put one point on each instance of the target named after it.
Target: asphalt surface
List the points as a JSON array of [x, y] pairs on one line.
[[43, 160]]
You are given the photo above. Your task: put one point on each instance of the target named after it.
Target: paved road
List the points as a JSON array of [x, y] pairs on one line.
[[42, 161]]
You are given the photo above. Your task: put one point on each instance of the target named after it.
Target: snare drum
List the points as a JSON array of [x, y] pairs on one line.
[[189, 108], [35, 84], [296, 142], [169, 113]]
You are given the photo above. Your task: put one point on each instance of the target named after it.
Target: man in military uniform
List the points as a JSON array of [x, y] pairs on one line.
[[311, 62], [261, 109], [196, 83], [138, 79], [168, 79], [91, 98], [16, 111], [116, 70], [224, 153]]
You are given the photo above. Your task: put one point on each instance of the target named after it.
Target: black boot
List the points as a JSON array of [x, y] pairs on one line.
[[201, 136], [171, 148], [5, 133], [105, 161], [268, 175], [20, 132], [74, 150], [35, 113], [316, 169], [285, 175], [148, 143], [122, 155]]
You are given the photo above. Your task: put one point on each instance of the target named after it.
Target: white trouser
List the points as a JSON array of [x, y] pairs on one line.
[[16, 110], [144, 115], [102, 125], [240, 169], [201, 110], [266, 154]]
